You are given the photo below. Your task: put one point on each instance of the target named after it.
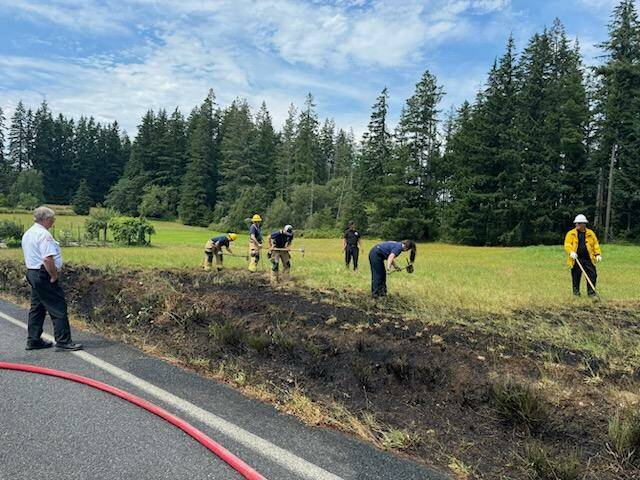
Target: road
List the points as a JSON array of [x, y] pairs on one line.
[[52, 428]]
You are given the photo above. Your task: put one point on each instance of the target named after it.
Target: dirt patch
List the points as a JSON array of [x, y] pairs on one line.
[[421, 389]]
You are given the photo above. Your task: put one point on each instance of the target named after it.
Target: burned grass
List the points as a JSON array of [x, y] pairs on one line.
[[459, 394]]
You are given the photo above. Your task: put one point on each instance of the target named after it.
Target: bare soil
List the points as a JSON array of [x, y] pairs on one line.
[[433, 382]]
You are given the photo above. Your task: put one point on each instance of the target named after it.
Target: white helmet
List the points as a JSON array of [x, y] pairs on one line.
[[581, 219], [288, 229]]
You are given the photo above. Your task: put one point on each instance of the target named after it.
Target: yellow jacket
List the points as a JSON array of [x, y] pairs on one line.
[[571, 244]]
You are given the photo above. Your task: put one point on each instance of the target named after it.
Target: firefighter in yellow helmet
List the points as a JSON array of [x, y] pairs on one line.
[[255, 242], [213, 248], [581, 244]]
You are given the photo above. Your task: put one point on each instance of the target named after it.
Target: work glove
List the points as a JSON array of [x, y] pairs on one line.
[[574, 255], [598, 258]]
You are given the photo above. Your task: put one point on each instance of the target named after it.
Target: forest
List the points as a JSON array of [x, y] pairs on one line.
[[546, 137]]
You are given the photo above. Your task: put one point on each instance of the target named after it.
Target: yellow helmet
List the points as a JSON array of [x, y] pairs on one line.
[[256, 218], [232, 236]]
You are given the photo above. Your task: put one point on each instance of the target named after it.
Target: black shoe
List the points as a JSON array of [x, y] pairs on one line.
[[38, 345], [68, 347]]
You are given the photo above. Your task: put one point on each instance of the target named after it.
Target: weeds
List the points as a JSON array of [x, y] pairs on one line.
[[282, 341], [624, 436], [520, 404], [543, 465], [400, 440], [227, 334], [259, 343]]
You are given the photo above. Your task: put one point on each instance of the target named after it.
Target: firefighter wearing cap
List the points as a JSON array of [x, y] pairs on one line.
[[581, 244], [279, 243], [213, 248], [255, 242]]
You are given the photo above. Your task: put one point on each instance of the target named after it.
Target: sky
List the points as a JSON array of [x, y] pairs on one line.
[[115, 59]]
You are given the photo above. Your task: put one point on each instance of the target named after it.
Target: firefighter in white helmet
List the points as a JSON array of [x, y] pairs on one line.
[[581, 244], [279, 243]]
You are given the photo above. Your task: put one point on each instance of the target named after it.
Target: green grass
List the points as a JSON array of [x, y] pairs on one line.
[[447, 277]]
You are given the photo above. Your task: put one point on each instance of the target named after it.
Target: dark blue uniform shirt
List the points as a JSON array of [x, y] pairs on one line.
[[255, 230], [387, 248], [280, 239], [222, 241]]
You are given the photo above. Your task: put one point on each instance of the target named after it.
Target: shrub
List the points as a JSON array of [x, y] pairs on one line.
[[520, 403], [131, 230], [624, 435], [227, 334], [28, 189], [98, 222], [27, 201], [545, 466], [10, 230]]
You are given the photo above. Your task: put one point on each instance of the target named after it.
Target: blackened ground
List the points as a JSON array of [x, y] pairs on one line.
[[430, 382]]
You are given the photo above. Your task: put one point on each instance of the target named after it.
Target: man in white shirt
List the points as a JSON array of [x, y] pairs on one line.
[[43, 259]]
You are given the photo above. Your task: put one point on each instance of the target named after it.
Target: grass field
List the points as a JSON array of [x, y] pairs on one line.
[[446, 276]]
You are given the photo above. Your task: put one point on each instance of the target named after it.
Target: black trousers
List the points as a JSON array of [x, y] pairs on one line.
[[378, 273], [47, 297], [351, 252], [576, 275]]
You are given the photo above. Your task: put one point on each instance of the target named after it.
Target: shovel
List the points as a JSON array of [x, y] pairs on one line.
[[588, 280], [301, 250]]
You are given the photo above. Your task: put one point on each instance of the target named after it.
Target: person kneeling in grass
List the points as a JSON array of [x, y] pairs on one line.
[[387, 252]]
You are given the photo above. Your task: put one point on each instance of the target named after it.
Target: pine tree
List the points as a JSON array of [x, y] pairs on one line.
[[61, 174], [285, 154], [376, 150], [618, 110], [265, 149], [82, 199], [344, 156], [237, 149], [197, 191], [42, 148], [19, 139], [326, 164], [6, 173], [306, 146]]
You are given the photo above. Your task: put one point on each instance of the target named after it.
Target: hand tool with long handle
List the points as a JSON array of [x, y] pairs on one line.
[[588, 279], [301, 250]]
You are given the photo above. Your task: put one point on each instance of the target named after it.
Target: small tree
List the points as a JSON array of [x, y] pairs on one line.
[[98, 222], [28, 185], [159, 202], [131, 230], [82, 199]]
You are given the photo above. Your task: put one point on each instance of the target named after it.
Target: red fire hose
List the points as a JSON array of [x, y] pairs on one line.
[[234, 462]]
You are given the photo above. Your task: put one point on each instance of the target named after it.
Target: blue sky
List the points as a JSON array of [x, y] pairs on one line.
[[114, 59]]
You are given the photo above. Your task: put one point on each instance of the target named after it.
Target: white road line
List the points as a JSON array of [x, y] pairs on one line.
[[259, 445]]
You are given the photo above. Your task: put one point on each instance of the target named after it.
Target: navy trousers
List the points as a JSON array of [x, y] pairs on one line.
[[378, 273], [47, 297]]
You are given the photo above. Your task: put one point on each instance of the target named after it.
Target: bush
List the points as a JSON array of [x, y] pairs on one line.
[[159, 202], [545, 466], [249, 201], [4, 201], [624, 435], [10, 230], [28, 190], [520, 403], [131, 230], [27, 201], [278, 214], [98, 222], [323, 218], [321, 233]]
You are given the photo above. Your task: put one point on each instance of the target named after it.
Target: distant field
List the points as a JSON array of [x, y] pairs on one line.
[[446, 277]]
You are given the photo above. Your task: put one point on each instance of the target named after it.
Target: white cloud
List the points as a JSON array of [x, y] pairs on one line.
[[273, 50]]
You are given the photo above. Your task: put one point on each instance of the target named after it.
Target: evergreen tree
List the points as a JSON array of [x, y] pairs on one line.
[[306, 156], [197, 193], [19, 139], [285, 155], [344, 155], [265, 149], [6, 173], [59, 177], [619, 125], [326, 164], [82, 199], [376, 150], [42, 147]]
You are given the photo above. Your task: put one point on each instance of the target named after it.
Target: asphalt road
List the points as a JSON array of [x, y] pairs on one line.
[[54, 428]]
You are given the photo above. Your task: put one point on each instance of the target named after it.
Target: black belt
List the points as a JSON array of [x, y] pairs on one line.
[[41, 269]]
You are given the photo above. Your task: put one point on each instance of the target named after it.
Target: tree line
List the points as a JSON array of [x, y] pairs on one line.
[[546, 137]]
